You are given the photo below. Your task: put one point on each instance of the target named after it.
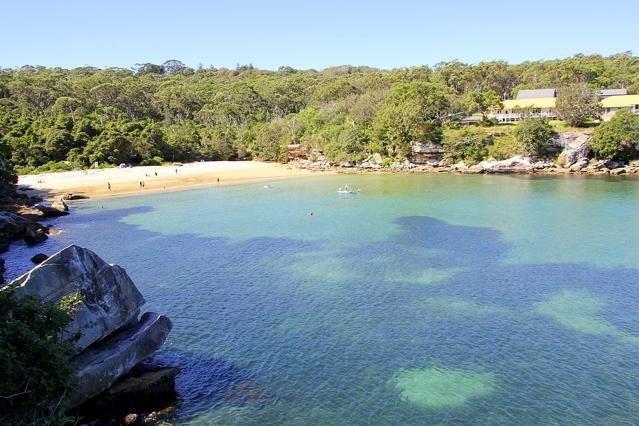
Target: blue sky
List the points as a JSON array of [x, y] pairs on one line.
[[310, 34]]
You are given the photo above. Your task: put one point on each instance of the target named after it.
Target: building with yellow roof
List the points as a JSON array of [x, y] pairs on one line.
[[515, 109], [613, 104]]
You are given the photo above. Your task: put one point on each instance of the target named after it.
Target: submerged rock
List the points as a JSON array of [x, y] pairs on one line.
[[39, 258], [102, 296]]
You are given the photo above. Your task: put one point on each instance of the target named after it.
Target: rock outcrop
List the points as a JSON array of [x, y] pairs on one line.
[[576, 147], [515, 164], [100, 366], [103, 295], [109, 339], [71, 196], [144, 388], [56, 209], [14, 226], [60, 205]]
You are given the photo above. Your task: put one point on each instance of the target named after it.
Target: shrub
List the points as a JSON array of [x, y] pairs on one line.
[[50, 167], [503, 147], [469, 145], [155, 161], [532, 134], [36, 373], [617, 139]]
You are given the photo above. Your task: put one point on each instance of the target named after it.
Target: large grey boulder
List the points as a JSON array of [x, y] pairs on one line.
[[54, 210], [582, 163], [605, 164], [102, 296], [60, 205], [576, 147], [99, 366], [13, 226], [516, 164]]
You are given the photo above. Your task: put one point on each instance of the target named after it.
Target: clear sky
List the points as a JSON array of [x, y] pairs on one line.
[[310, 34]]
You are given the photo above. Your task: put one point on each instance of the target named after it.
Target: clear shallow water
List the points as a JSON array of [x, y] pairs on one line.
[[426, 299]]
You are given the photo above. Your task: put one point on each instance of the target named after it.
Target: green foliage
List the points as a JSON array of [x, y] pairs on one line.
[[469, 145], [271, 140], [576, 104], [155, 161], [7, 174], [71, 302], [51, 166], [168, 110], [412, 113], [532, 134], [617, 139], [504, 146], [36, 375], [482, 102]]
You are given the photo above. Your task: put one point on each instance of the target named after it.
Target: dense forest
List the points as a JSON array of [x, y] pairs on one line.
[[55, 118]]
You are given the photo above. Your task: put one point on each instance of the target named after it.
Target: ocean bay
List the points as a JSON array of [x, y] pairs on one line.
[[421, 299]]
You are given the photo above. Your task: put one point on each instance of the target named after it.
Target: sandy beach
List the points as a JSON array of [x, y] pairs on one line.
[[96, 182]]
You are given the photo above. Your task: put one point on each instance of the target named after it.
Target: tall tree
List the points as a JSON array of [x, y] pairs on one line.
[[577, 103]]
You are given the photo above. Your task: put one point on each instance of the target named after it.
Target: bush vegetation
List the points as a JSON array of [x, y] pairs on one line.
[[36, 374], [170, 111], [617, 139]]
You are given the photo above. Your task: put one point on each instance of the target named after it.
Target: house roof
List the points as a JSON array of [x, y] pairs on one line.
[[613, 92], [536, 93], [530, 103], [620, 101]]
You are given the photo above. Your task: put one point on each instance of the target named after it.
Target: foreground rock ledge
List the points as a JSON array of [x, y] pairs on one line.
[[103, 296], [101, 365], [105, 305]]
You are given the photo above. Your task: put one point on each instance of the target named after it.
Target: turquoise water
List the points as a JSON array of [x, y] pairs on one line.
[[425, 299]]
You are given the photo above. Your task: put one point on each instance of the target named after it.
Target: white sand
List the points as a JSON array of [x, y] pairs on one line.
[[95, 182]]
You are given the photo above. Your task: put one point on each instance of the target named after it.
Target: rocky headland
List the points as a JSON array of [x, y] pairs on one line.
[[573, 148]]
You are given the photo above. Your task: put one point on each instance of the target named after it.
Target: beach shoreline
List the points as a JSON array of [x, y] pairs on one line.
[[139, 180]]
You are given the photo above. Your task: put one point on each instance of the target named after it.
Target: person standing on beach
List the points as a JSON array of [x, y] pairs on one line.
[[109, 185], [218, 180], [176, 171]]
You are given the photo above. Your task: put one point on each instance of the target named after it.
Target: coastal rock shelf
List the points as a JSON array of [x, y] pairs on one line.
[[109, 336], [574, 157]]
